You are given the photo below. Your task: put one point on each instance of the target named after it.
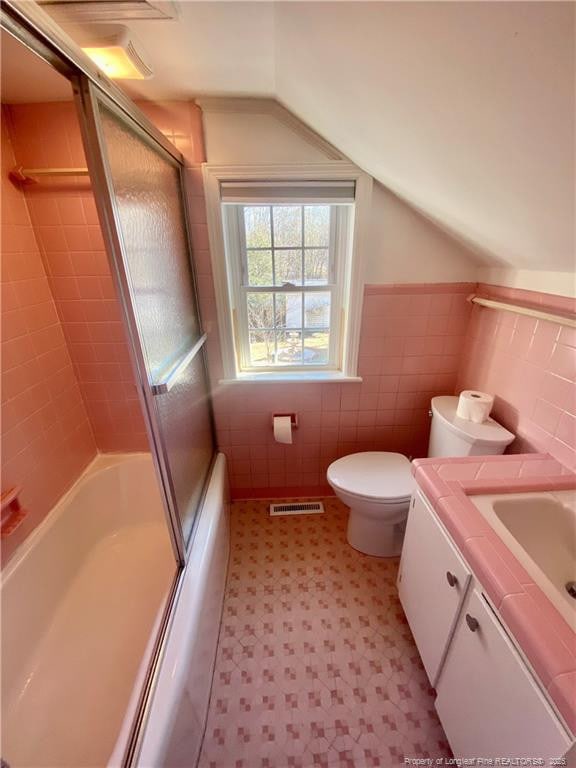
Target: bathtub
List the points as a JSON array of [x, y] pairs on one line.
[[81, 600]]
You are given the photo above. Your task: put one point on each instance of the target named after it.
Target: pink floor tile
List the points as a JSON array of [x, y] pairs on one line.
[[316, 665]]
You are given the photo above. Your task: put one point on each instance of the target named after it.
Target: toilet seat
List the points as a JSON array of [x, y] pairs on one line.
[[378, 476]]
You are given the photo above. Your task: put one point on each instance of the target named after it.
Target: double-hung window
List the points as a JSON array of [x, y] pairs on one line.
[[288, 248]]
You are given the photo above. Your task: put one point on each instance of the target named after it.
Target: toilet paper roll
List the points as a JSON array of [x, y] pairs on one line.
[[474, 406], [282, 429]]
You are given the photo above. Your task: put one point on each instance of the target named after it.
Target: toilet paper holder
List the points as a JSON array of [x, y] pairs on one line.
[[293, 419]]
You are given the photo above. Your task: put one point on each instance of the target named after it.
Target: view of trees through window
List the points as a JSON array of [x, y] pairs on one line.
[[288, 247]]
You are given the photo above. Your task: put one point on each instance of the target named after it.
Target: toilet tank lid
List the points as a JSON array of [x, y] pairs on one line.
[[373, 475], [487, 433]]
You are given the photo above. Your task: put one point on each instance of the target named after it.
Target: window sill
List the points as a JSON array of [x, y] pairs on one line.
[[268, 377]]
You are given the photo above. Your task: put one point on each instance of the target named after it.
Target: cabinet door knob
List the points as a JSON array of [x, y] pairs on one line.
[[473, 624], [451, 579]]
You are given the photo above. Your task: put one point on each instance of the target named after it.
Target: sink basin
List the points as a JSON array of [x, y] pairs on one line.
[[540, 531]]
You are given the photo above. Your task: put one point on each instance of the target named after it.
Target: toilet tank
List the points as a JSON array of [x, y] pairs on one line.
[[452, 436]]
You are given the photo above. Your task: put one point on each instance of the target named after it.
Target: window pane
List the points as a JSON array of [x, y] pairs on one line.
[[316, 347], [257, 226], [317, 225], [317, 310], [287, 226], [289, 344], [288, 310], [289, 274], [262, 347], [260, 268], [288, 266], [260, 310], [316, 266]]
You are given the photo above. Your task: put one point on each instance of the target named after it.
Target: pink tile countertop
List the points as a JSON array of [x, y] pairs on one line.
[[548, 642]]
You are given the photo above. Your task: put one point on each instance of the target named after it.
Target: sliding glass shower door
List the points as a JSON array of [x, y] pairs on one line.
[[142, 186]]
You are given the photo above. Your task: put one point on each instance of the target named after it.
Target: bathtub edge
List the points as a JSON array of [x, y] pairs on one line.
[[179, 703]]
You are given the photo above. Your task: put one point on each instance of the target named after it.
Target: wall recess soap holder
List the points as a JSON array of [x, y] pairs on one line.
[[12, 513]]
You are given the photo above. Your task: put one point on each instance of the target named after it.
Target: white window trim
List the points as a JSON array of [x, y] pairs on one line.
[[353, 287]]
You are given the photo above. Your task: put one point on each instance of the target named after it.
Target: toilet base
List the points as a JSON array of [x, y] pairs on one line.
[[372, 537]]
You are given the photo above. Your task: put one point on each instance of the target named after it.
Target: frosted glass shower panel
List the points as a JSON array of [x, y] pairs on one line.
[[187, 432], [149, 213], [150, 208]]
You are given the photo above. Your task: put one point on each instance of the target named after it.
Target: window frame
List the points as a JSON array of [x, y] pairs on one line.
[[228, 278]]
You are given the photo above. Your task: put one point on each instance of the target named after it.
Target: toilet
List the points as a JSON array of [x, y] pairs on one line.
[[378, 485]]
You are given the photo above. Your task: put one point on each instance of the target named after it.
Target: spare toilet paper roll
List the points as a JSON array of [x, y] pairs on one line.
[[282, 429], [474, 406]]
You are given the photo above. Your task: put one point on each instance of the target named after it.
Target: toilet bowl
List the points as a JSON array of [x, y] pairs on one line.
[[377, 486]]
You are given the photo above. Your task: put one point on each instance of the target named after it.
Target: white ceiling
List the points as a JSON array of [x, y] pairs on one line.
[[215, 48], [464, 109]]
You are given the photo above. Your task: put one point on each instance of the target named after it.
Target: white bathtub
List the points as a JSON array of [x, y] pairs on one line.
[[81, 599]]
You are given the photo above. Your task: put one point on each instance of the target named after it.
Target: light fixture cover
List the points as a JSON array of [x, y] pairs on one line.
[[115, 50]]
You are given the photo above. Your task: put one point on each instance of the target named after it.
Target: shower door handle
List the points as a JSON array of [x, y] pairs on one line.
[[165, 386]]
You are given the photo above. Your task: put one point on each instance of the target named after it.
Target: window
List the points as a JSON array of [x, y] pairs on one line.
[[288, 248], [288, 298]]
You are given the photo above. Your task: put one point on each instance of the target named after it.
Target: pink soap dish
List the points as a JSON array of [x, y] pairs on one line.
[[12, 514]]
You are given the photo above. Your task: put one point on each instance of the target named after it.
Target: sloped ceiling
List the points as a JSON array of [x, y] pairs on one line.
[[466, 110]]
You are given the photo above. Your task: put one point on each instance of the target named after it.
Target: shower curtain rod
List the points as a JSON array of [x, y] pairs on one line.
[[28, 174], [520, 310]]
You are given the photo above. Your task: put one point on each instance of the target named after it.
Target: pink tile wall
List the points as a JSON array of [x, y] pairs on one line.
[[531, 367], [411, 342], [46, 434], [181, 123], [68, 232]]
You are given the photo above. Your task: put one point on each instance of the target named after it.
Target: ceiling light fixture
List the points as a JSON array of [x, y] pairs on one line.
[[115, 50]]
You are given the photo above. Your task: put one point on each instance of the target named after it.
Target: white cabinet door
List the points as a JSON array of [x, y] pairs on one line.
[[488, 702], [432, 582]]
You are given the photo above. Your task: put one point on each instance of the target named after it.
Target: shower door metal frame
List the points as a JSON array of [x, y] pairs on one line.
[[89, 98], [88, 95]]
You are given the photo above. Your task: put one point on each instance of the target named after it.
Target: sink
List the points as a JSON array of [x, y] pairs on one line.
[[540, 531]]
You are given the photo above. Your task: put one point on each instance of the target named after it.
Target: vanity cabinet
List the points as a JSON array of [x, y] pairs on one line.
[[432, 584], [487, 697], [489, 701]]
